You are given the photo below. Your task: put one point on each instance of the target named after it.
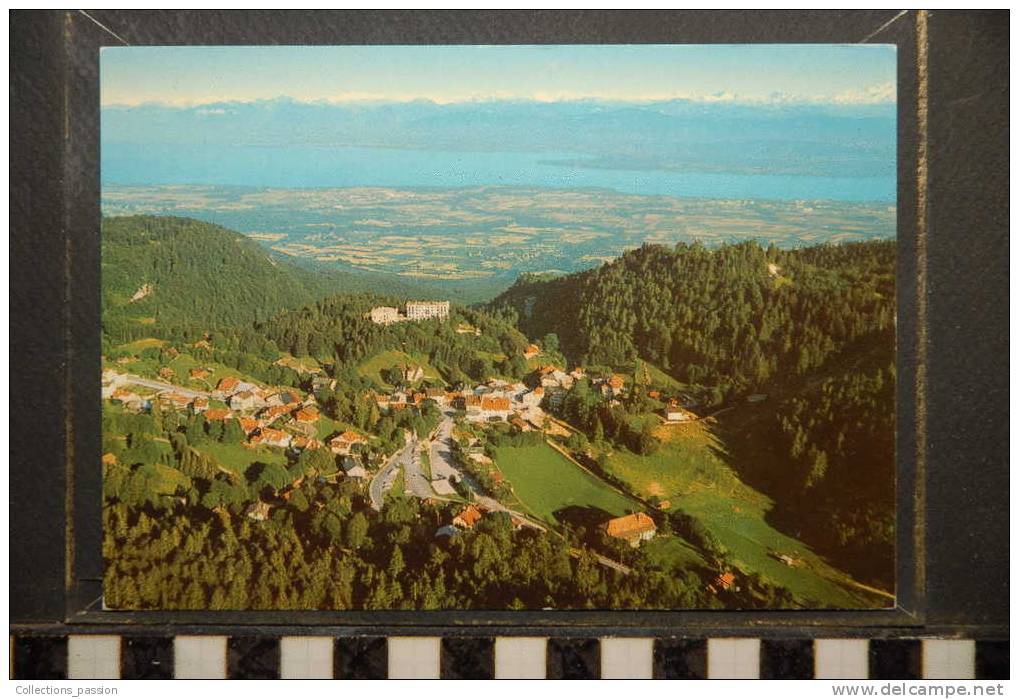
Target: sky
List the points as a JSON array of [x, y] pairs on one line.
[[838, 74]]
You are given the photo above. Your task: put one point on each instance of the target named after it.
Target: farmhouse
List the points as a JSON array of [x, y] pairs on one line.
[[472, 406], [166, 372], [258, 511], [300, 443], [675, 413], [227, 387], [520, 424], [248, 424], [353, 469], [467, 517], [307, 415], [271, 414], [218, 414], [290, 397], [199, 373], [613, 386], [632, 528], [446, 530], [276, 399], [322, 382], [269, 437], [436, 394], [495, 408], [341, 443], [725, 581], [531, 351], [412, 372], [533, 398], [245, 400], [175, 399]]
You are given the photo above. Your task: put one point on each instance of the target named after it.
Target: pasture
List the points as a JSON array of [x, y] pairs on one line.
[[690, 472], [546, 482], [372, 367]]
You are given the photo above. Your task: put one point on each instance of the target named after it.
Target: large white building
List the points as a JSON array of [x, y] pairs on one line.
[[416, 310], [384, 315], [421, 310]]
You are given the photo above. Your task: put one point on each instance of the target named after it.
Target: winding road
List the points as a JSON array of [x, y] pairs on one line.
[[132, 380], [385, 478]]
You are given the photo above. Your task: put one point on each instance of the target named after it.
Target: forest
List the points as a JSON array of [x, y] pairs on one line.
[[812, 329], [810, 332], [204, 278], [738, 315], [177, 537]]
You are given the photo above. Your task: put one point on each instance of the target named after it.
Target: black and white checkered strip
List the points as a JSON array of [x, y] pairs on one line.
[[364, 657]]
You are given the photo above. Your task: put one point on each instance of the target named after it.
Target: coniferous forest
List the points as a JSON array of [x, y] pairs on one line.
[[789, 355], [812, 328]]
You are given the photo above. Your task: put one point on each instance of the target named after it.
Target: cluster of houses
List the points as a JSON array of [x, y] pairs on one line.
[[495, 400], [283, 418], [414, 310], [555, 382]]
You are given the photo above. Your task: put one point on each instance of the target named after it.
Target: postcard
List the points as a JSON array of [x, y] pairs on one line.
[[498, 327]]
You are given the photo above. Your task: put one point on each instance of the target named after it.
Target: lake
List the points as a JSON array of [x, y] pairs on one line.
[[327, 166]]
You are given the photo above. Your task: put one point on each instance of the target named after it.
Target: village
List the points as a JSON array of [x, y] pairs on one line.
[[290, 419]]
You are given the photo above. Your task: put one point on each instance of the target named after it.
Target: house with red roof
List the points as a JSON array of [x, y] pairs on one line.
[[633, 528], [467, 517]]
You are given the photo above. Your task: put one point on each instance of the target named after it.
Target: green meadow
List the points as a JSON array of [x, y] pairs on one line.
[[545, 482]]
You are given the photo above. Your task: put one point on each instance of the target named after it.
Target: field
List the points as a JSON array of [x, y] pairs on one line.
[[237, 458], [372, 368], [547, 483], [689, 471], [488, 235], [656, 377], [673, 553], [143, 344], [689, 461]]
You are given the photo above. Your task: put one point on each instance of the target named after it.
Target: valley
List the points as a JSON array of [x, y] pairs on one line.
[[568, 453], [477, 240]]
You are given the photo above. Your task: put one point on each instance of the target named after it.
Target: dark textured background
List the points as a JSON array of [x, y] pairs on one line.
[[55, 307]]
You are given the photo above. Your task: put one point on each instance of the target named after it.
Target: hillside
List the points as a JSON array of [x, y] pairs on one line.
[[737, 315], [336, 329], [166, 276], [808, 333], [162, 275]]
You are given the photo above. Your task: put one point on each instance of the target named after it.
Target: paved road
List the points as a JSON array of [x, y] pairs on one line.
[[440, 458], [443, 466], [161, 386], [414, 481], [384, 479]]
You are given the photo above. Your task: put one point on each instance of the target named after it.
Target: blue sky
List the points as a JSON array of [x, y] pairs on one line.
[[850, 74]]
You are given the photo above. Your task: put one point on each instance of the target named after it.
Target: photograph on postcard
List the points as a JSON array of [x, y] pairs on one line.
[[498, 327]]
